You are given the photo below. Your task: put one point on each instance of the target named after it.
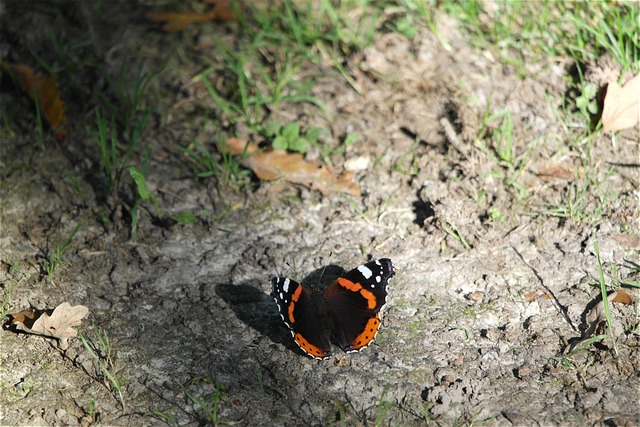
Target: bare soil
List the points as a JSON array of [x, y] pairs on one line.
[[187, 308]]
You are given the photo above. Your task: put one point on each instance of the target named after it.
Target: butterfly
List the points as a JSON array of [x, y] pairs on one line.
[[348, 312]]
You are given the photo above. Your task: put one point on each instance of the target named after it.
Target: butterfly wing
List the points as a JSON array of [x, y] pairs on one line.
[[299, 313], [355, 301]]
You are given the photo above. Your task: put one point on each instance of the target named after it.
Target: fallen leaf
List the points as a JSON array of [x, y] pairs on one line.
[[621, 106], [176, 21], [531, 296], [58, 323], [622, 297], [27, 317], [223, 8], [44, 89], [538, 293], [551, 170], [476, 296], [292, 167], [239, 146], [626, 240]]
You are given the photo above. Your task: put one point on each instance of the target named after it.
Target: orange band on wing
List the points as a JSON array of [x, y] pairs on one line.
[[294, 298], [309, 348], [357, 287], [369, 333]]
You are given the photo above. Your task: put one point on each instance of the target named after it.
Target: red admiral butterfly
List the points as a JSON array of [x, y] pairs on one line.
[[348, 312]]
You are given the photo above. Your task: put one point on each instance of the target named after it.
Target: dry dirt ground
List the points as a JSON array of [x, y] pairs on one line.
[[473, 332]]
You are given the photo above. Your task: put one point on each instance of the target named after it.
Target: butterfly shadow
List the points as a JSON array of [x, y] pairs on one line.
[[252, 306], [257, 309]]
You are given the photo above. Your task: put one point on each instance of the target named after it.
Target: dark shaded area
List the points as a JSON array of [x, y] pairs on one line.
[[26, 317], [258, 311], [450, 112], [423, 209], [255, 308], [412, 135]]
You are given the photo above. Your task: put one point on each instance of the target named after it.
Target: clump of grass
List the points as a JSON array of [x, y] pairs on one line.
[[313, 29], [210, 403], [102, 353], [39, 121], [4, 308], [220, 164], [120, 124], [605, 29], [546, 29], [522, 33], [141, 193], [603, 293], [52, 260], [257, 87], [584, 201], [262, 72], [408, 163], [452, 230], [499, 143]]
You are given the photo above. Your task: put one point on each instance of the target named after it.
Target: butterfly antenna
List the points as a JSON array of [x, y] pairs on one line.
[[325, 267], [293, 269]]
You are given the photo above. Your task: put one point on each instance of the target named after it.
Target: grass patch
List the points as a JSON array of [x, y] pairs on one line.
[[603, 293], [316, 29], [498, 142], [119, 127], [102, 352], [52, 260], [452, 230], [583, 201], [255, 84], [4, 308], [524, 33], [220, 164], [211, 402], [520, 31]]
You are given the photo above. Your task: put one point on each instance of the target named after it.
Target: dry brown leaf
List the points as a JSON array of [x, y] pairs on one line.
[[622, 106], [26, 317], [59, 323], [223, 8], [622, 297], [626, 240], [292, 167], [239, 146], [538, 293], [551, 170], [45, 89], [531, 296], [176, 21]]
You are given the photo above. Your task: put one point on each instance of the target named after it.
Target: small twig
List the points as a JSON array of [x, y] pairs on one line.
[[452, 136]]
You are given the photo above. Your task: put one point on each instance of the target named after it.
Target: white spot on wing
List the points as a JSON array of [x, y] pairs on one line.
[[285, 287], [364, 270]]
